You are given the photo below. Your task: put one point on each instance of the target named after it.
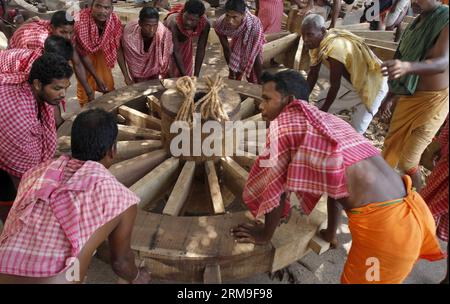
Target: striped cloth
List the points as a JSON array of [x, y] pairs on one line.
[[15, 64], [313, 150], [186, 47], [435, 193], [25, 139], [246, 44], [270, 13], [153, 63], [30, 35], [89, 41], [59, 206]]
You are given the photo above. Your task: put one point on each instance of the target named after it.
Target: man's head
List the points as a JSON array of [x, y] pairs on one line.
[[421, 6], [280, 89], [50, 77], [234, 12], [94, 134], [148, 21], [192, 12], [101, 10], [61, 26], [59, 45], [313, 30]]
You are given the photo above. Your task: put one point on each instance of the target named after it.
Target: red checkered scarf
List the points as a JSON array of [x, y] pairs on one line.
[[30, 35], [25, 140], [15, 64], [80, 196], [154, 62], [314, 149], [88, 40], [247, 42]]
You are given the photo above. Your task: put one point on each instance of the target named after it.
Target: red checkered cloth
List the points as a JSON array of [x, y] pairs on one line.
[[30, 35], [59, 206], [246, 44], [27, 132], [147, 65], [185, 48], [311, 151], [435, 193], [15, 64], [88, 40]]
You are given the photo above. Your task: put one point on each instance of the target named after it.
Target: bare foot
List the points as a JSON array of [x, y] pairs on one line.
[[332, 239]]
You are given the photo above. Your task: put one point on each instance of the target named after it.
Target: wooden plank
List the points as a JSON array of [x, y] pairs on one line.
[[181, 190], [154, 105], [318, 245], [247, 108], [130, 149], [382, 43], [382, 52], [298, 54], [279, 46], [246, 161], [257, 117], [212, 274], [275, 36], [139, 119], [379, 35], [214, 188], [356, 27], [130, 171], [409, 19], [150, 186], [136, 133], [234, 175]]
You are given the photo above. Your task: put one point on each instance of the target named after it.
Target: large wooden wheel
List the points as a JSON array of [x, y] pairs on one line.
[[188, 206]]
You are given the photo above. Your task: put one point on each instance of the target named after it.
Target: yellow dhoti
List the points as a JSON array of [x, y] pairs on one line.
[[415, 122], [102, 70]]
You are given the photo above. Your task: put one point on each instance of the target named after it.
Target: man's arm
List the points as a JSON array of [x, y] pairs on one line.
[[123, 65], [335, 10], [260, 234], [123, 260], [80, 72], [225, 46], [90, 67], [58, 118], [336, 71], [334, 212], [435, 63], [176, 49], [201, 47], [258, 68], [313, 75]]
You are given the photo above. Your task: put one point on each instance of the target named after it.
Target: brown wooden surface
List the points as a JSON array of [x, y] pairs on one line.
[[181, 190], [130, 149], [136, 133], [234, 175], [214, 188], [139, 119]]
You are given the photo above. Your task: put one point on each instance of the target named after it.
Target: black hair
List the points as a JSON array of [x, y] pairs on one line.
[[235, 5], [194, 7], [288, 83], [148, 13], [59, 18], [59, 45], [349, 1], [93, 1], [94, 132], [48, 67]]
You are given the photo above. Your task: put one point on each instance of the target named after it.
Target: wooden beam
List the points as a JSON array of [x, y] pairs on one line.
[[356, 27], [181, 190], [247, 108], [298, 54], [318, 245], [150, 186], [130, 149], [257, 117], [130, 171], [212, 274], [139, 119], [379, 35], [409, 19], [279, 46], [136, 133], [245, 161], [382, 52], [234, 175], [275, 36], [382, 43], [154, 105], [214, 188]]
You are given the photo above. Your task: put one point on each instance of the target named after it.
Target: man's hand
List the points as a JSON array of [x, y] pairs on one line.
[[395, 68], [387, 107], [250, 233]]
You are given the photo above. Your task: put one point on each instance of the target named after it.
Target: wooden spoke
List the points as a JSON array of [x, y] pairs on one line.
[[154, 105], [214, 188], [181, 190], [136, 133], [139, 119], [247, 108], [212, 274], [130, 171], [256, 117], [380, 35], [130, 149], [157, 181], [382, 52], [234, 175], [245, 161], [276, 36]]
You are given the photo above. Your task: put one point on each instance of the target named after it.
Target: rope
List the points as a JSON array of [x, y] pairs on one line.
[[187, 87]]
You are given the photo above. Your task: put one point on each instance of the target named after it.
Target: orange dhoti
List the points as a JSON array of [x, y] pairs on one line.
[[388, 238], [102, 71]]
